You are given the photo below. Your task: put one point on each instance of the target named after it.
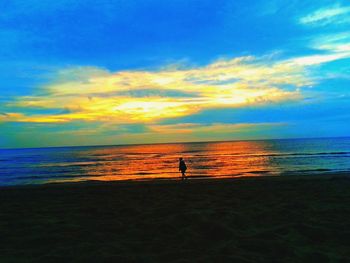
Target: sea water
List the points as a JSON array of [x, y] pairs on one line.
[[203, 159]]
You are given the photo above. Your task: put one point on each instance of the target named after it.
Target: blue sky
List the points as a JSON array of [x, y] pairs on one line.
[[115, 72]]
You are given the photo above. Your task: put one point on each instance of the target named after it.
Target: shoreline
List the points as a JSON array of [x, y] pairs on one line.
[[189, 179]]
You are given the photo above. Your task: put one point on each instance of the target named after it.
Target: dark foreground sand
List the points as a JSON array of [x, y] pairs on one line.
[[304, 219]]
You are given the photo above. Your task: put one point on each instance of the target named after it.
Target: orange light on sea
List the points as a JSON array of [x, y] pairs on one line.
[[216, 159]]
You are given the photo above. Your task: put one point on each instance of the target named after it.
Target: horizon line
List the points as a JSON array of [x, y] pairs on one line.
[[183, 142]]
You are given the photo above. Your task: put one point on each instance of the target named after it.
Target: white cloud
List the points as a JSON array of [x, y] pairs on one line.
[[319, 59], [336, 42], [326, 16]]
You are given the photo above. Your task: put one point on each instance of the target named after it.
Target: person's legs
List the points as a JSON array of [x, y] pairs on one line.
[[183, 175]]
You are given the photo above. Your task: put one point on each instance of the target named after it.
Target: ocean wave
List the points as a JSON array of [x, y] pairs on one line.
[[230, 159], [282, 154]]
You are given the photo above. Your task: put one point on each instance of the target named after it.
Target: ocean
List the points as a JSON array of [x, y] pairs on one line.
[[203, 159]]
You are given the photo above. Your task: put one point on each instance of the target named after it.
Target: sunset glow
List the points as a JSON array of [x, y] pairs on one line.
[[110, 86]]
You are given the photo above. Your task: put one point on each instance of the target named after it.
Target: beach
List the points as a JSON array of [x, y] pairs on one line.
[[256, 219]]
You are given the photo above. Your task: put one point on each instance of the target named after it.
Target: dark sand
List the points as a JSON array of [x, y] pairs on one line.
[[280, 219]]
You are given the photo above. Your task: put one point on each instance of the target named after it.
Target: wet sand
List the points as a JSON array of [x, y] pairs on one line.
[[270, 219]]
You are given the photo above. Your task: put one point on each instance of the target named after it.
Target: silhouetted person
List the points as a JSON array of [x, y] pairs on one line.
[[182, 168]]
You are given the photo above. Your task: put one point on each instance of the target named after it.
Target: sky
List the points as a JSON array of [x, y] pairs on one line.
[[112, 72]]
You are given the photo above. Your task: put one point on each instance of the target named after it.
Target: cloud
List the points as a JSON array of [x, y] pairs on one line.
[[327, 15], [333, 42], [217, 128], [217, 131], [189, 132], [330, 47], [319, 59], [93, 94], [109, 134]]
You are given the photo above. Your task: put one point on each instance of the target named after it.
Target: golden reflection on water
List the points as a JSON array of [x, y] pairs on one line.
[[216, 159], [247, 158]]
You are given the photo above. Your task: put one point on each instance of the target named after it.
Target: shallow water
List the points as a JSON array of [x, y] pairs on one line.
[[214, 159]]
